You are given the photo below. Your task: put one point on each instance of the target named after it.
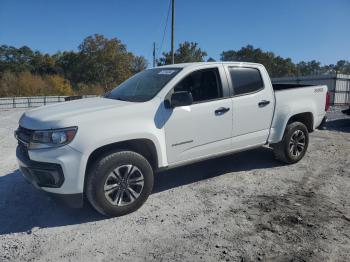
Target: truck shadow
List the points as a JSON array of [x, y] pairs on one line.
[[244, 161], [24, 208], [342, 125]]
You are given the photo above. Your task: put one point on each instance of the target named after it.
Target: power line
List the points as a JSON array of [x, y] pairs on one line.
[[165, 29], [172, 31]]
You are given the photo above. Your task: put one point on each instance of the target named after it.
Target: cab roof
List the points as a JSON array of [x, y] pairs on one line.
[[186, 65]]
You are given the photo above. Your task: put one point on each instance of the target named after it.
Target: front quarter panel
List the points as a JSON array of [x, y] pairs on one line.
[[140, 121]]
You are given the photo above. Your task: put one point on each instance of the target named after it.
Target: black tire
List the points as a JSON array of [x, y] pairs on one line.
[[103, 169], [283, 150]]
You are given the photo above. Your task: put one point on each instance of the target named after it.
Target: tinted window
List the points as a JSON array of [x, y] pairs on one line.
[[144, 85], [245, 80], [203, 84]]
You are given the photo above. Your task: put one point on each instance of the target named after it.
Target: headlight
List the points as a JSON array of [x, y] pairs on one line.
[[52, 138]]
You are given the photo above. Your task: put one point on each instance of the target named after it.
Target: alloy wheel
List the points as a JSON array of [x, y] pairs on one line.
[[123, 185], [297, 143]]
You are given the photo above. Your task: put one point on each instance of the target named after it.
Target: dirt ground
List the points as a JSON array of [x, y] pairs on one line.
[[242, 207]]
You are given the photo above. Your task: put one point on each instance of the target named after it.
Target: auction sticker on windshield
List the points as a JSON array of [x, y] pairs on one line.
[[166, 72]]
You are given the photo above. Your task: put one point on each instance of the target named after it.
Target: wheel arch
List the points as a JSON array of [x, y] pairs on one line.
[[142, 146], [306, 118], [284, 118]]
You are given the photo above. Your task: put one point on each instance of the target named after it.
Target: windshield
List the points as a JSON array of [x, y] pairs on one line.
[[144, 85]]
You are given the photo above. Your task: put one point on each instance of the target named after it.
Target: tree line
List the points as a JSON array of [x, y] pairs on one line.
[[277, 66], [100, 64]]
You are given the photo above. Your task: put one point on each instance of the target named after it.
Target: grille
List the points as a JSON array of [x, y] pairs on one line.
[[24, 134]]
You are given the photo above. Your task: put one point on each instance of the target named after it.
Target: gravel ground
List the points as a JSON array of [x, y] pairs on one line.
[[242, 207]]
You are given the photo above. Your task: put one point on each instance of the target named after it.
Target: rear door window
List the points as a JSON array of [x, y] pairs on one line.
[[245, 80]]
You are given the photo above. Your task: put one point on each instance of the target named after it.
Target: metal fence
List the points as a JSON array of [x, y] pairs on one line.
[[32, 101], [342, 90]]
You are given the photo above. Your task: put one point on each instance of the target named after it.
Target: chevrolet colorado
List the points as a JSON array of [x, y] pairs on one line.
[[108, 148]]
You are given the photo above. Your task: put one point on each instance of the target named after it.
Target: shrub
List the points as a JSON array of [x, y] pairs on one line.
[[27, 84], [57, 85]]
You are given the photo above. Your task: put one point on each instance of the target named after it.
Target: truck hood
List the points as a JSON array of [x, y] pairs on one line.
[[68, 113]]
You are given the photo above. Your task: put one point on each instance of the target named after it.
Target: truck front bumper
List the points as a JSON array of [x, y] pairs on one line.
[[51, 177]]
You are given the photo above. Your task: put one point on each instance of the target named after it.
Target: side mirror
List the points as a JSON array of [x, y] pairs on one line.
[[181, 98]]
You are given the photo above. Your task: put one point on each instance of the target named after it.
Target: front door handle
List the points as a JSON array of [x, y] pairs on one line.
[[221, 111], [263, 103]]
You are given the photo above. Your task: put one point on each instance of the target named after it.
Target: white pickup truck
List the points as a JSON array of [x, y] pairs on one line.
[[108, 148]]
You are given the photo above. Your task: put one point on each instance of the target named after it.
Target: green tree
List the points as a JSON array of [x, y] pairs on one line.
[[43, 64], [25, 59], [138, 64], [186, 53], [69, 64], [15, 59], [343, 67], [104, 61], [309, 68], [275, 65]]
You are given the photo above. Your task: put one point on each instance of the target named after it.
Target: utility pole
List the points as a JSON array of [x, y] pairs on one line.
[[154, 54], [172, 30]]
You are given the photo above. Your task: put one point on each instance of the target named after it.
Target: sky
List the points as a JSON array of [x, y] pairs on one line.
[[299, 29]]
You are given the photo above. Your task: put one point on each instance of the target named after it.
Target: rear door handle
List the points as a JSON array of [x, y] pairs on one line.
[[263, 103], [221, 111]]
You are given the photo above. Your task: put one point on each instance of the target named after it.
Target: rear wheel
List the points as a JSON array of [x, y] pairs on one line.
[[294, 144], [119, 183]]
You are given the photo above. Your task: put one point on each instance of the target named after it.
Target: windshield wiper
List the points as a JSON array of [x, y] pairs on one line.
[[115, 98], [118, 98]]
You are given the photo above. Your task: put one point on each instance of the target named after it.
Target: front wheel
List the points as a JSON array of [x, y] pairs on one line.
[[294, 144], [119, 183]]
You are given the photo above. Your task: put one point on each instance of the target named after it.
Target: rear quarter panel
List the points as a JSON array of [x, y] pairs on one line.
[[295, 101]]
